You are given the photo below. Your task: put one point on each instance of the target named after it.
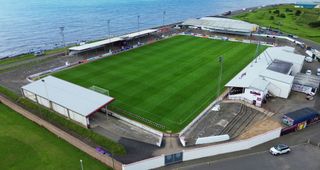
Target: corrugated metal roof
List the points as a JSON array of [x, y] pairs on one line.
[[307, 80], [98, 44], [302, 114], [95, 45], [222, 24], [140, 33], [258, 67], [260, 84], [68, 95]]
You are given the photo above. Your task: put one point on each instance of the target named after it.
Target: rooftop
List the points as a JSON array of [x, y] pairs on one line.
[[280, 66], [307, 80], [68, 95], [302, 113], [259, 67], [102, 43], [222, 24]]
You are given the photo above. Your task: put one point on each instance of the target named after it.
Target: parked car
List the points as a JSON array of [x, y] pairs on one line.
[[308, 72], [318, 72], [280, 149], [308, 59]]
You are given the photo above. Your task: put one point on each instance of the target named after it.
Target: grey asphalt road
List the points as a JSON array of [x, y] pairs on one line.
[[303, 156], [256, 156]]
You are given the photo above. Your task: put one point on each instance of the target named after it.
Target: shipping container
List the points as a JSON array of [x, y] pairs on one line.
[[299, 116]]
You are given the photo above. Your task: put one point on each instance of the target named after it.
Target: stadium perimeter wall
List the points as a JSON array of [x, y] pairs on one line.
[[207, 151]]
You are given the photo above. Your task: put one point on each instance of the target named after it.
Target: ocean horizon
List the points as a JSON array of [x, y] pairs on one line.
[[35, 24]]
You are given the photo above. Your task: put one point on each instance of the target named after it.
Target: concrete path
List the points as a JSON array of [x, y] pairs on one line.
[[62, 134]]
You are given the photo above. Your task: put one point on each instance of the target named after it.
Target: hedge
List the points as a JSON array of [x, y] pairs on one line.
[[52, 117]]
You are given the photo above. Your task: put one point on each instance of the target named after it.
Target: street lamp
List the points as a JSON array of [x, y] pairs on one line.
[[138, 22], [81, 165], [108, 28], [163, 16], [62, 35]]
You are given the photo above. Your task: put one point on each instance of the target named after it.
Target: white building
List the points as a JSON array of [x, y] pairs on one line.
[[70, 100], [271, 72], [222, 25], [307, 84]]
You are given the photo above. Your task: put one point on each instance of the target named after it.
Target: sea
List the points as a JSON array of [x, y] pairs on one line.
[[32, 25]]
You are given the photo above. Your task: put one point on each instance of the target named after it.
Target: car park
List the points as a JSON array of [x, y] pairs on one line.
[[279, 149]]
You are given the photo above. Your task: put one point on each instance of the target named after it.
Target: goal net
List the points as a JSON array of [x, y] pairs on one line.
[[100, 90]]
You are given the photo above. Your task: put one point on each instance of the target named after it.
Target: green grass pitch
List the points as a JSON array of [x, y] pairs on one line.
[[25, 145], [169, 82]]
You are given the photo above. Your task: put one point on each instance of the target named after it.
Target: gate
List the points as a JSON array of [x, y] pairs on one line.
[[173, 158]]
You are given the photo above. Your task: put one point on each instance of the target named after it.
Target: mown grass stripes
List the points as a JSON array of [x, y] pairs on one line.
[[169, 82]]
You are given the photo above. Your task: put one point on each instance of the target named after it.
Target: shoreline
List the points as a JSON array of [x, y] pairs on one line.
[[238, 11]]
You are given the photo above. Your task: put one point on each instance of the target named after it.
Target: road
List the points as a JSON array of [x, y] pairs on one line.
[[303, 155]]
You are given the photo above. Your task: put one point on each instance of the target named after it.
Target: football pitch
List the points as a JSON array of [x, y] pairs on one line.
[[165, 84]]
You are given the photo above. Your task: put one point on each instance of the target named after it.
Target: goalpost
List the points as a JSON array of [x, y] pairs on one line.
[[100, 90]]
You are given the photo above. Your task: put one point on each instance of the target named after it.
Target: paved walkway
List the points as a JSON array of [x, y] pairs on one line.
[[62, 134]]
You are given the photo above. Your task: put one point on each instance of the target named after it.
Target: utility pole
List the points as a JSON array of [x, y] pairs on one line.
[[62, 35], [138, 23], [108, 28], [163, 17], [220, 75]]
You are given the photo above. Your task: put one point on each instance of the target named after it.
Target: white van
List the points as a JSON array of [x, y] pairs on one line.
[[318, 72]]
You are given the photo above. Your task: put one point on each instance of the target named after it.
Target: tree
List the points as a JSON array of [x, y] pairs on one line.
[[315, 24], [276, 11], [282, 15], [298, 13]]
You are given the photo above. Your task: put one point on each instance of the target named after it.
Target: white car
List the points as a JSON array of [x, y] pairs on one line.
[[308, 72], [280, 149], [318, 72], [308, 59]]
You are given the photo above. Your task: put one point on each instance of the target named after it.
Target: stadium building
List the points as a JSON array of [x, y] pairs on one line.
[[272, 72], [221, 25], [69, 100], [111, 45]]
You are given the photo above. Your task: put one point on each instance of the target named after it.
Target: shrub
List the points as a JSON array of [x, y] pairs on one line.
[[271, 17], [298, 13], [314, 24], [276, 11], [288, 10], [63, 123], [282, 15]]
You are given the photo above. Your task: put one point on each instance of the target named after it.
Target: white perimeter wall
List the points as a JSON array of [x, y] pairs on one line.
[[231, 146], [197, 153], [151, 163]]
